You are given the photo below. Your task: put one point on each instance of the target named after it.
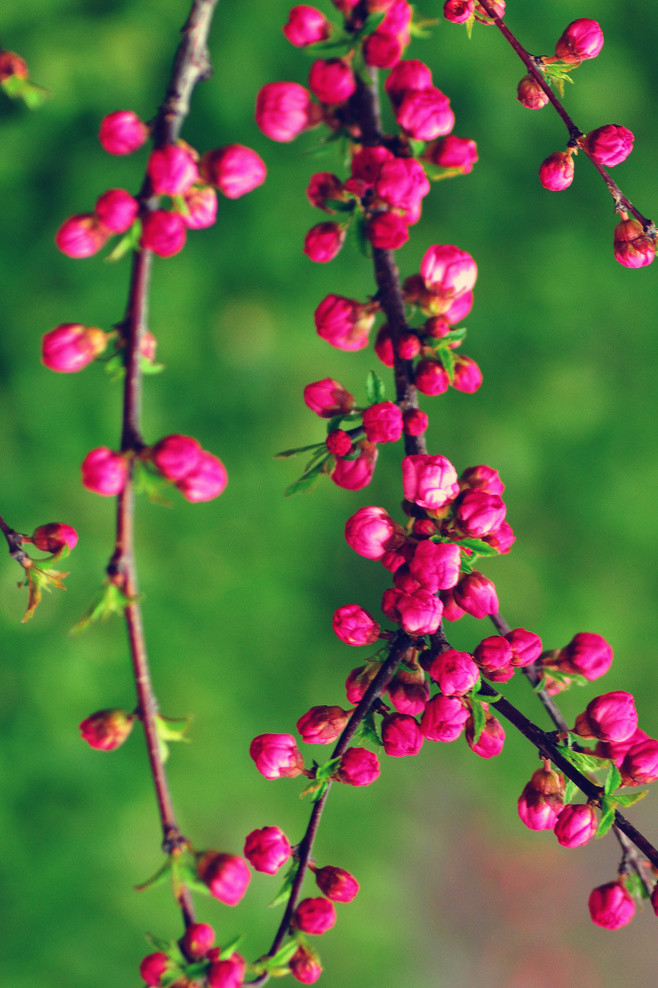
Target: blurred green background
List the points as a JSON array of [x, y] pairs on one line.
[[239, 592]]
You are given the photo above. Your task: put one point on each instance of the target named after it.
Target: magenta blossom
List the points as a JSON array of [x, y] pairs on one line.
[[582, 39], [401, 735], [336, 883], [225, 875], [354, 625], [267, 849], [358, 767], [284, 110], [611, 906], [276, 756], [448, 271], [576, 825], [444, 718], [429, 481]]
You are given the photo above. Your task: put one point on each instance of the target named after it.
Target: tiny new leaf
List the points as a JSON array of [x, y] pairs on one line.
[[284, 892], [613, 780], [607, 816], [477, 712], [109, 600], [278, 963], [375, 389]]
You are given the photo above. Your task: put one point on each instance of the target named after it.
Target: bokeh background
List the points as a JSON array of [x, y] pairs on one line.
[[238, 593]]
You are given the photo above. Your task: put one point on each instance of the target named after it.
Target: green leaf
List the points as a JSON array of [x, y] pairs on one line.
[[613, 780], [357, 232], [570, 790], [128, 242], [370, 24], [279, 961], [367, 731], [607, 817], [230, 947], [327, 770], [172, 729], [447, 358], [630, 798], [416, 147], [375, 389], [340, 205], [109, 600], [302, 486], [479, 546], [161, 876], [286, 454], [479, 720], [583, 761], [284, 892]]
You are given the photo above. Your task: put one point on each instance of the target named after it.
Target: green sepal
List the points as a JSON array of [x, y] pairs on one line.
[[109, 600], [367, 731], [186, 871], [278, 963], [478, 694], [613, 781], [416, 147], [172, 728], [129, 241], [303, 485], [469, 26], [39, 578], [419, 29], [557, 73], [607, 816], [583, 761], [637, 888], [32, 95], [479, 719], [375, 389], [161, 875], [115, 367], [151, 484], [286, 454], [479, 546], [447, 358], [327, 770], [571, 678], [284, 892], [570, 790]]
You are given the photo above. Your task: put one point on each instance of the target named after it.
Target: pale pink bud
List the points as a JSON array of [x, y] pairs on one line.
[[176, 456], [530, 94], [314, 916], [276, 756], [81, 235], [54, 536], [448, 271], [343, 322], [609, 717], [467, 376], [436, 565], [163, 232], [611, 906], [117, 210], [409, 691], [415, 422], [477, 595], [582, 39], [492, 738], [458, 11], [576, 825], [328, 398], [306, 26], [640, 764], [609, 145], [227, 973], [235, 169], [371, 532], [322, 724], [152, 968], [104, 471], [197, 940], [267, 849], [387, 230], [207, 480], [383, 422], [556, 172], [122, 132], [323, 242], [456, 153], [305, 965], [542, 799], [358, 767], [455, 672], [201, 204], [425, 114], [331, 80], [429, 481], [107, 729], [632, 247], [225, 875], [354, 475], [431, 378], [401, 735], [284, 110], [354, 626], [339, 442], [444, 718], [526, 646], [587, 654], [70, 347], [420, 612], [336, 883]]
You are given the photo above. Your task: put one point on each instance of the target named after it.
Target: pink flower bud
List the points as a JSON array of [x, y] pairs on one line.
[[225, 875], [201, 204], [640, 764], [207, 480], [122, 132], [358, 767], [54, 536], [152, 968], [632, 246], [331, 80], [227, 973], [323, 186], [343, 322], [235, 169], [267, 849], [197, 940], [542, 799], [410, 73], [611, 906], [526, 646], [609, 145], [163, 232], [70, 347], [176, 456], [358, 682], [419, 612], [429, 481], [576, 825], [401, 735], [314, 916], [12, 66], [478, 513], [354, 625], [414, 422], [409, 691], [284, 110], [451, 610], [339, 442], [408, 346], [425, 114], [328, 398], [104, 472], [476, 594], [117, 210], [482, 478], [323, 242], [387, 230], [306, 26], [367, 163], [616, 751], [384, 346], [530, 94], [81, 235], [336, 883], [107, 729], [492, 738], [444, 718], [448, 271], [455, 672], [458, 11], [371, 532], [353, 475], [383, 422], [467, 375], [431, 378], [401, 182], [322, 725], [494, 656], [172, 170], [435, 565], [556, 172], [456, 153], [305, 965], [610, 717], [582, 39], [276, 756], [482, 15], [382, 51], [587, 654]]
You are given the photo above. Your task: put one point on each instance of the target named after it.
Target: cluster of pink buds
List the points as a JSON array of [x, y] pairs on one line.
[[196, 473], [194, 960]]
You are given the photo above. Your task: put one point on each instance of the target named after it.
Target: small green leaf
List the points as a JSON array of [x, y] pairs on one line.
[[161, 875], [357, 232], [286, 454], [375, 389], [613, 780], [230, 947], [340, 205], [109, 600], [630, 798], [570, 790], [172, 729], [607, 817], [279, 961], [327, 770], [128, 242], [367, 731], [477, 545], [479, 720], [301, 486], [583, 761], [284, 892], [447, 358], [370, 24]]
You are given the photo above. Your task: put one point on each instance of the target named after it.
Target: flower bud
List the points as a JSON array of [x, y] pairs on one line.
[[401, 735], [526, 646], [477, 513], [458, 11], [387, 230], [456, 153], [201, 204], [353, 475], [632, 246], [425, 114], [226, 973], [556, 172], [331, 80], [455, 672], [70, 347], [444, 718], [384, 346], [435, 565], [323, 242], [305, 965], [107, 729], [382, 51], [354, 625], [358, 682], [482, 478], [322, 724], [431, 378], [582, 39], [12, 66], [409, 691], [383, 422], [576, 825], [429, 481], [117, 210], [476, 594], [610, 717], [276, 756], [306, 26], [267, 849], [414, 422], [81, 236], [371, 532], [448, 271], [323, 186], [343, 322], [152, 968], [492, 737], [494, 656], [197, 940], [54, 536], [609, 145], [122, 132], [163, 232], [314, 916], [419, 612], [104, 471], [339, 442], [328, 398], [482, 15], [176, 456], [225, 875], [640, 764], [235, 169], [530, 94], [587, 654], [171, 169], [206, 481], [336, 883], [284, 110], [358, 767], [542, 799], [611, 906]]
